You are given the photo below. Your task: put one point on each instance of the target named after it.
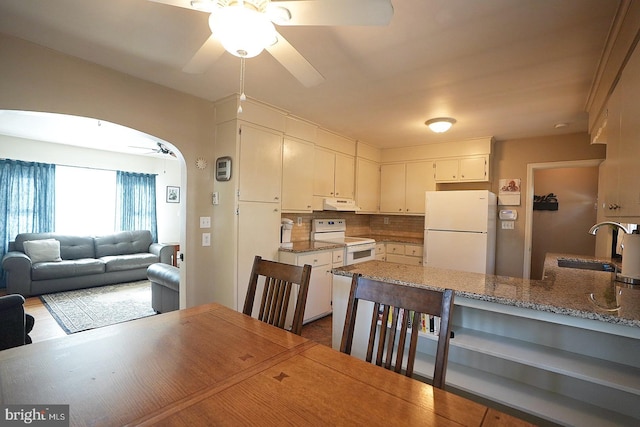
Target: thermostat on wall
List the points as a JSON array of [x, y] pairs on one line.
[[223, 168], [508, 214]]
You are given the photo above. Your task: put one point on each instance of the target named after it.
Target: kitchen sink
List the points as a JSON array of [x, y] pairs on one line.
[[586, 264]]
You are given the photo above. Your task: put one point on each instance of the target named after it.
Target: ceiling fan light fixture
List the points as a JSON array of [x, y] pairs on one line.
[[243, 31], [440, 124]]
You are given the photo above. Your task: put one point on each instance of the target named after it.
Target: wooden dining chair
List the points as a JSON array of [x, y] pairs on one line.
[[279, 280], [391, 298]]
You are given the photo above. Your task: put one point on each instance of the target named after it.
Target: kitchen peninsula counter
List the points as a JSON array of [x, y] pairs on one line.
[[563, 349], [585, 294]]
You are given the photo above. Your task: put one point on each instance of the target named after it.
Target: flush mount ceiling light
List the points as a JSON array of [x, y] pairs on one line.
[[440, 124]]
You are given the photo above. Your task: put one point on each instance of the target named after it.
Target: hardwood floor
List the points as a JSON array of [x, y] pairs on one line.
[[45, 327]]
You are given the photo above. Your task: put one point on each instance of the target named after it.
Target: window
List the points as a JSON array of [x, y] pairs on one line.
[[85, 201]]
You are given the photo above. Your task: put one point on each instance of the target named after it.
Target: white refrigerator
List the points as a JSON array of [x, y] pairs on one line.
[[460, 230]]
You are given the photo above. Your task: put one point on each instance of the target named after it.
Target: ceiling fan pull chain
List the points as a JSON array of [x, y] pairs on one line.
[[243, 97]]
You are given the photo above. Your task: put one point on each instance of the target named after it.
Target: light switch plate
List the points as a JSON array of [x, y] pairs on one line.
[[206, 239], [507, 225]]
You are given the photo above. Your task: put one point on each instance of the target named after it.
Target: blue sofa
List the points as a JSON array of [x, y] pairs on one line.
[[82, 261]]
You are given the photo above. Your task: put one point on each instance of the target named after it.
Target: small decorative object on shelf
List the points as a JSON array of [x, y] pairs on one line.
[[545, 203]]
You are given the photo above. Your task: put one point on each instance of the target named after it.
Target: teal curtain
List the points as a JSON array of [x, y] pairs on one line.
[[27, 200], [136, 202]]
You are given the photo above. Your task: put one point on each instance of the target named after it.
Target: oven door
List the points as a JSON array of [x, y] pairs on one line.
[[360, 253]]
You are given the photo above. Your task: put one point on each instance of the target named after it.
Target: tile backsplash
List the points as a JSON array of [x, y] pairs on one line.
[[360, 225]]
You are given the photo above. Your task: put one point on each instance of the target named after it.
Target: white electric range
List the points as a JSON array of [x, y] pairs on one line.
[[357, 249]]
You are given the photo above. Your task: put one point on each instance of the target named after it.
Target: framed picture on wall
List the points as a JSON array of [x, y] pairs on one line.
[[173, 194]]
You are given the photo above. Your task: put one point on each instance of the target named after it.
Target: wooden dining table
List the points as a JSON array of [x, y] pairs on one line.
[[210, 365]]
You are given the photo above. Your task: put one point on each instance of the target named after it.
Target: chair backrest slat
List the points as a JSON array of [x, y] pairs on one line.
[[397, 311], [279, 281]]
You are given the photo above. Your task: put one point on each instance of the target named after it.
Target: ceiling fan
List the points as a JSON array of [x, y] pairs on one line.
[[245, 27], [162, 149]]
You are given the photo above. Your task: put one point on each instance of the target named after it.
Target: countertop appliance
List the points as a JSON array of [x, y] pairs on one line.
[[460, 230], [286, 225], [357, 249]]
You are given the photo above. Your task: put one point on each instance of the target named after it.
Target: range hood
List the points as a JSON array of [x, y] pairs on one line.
[[340, 205]]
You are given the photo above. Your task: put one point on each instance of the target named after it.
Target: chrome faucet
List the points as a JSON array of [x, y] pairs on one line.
[[593, 229]]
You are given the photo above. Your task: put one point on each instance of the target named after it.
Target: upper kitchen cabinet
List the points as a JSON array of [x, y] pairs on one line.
[[367, 185], [611, 166], [260, 165], [403, 187], [333, 174], [392, 188], [621, 169], [333, 168], [629, 149], [297, 176], [463, 169]]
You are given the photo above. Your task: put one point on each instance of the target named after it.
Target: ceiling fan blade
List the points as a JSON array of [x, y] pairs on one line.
[[188, 4], [337, 12], [295, 63], [208, 53]]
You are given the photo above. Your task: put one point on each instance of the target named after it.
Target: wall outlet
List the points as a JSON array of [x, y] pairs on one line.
[[299, 220], [206, 239], [385, 220], [205, 222]]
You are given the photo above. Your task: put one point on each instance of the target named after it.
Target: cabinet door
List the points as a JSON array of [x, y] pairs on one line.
[[297, 176], [258, 234], [344, 176], [323, 173], [629, 154], [319, 294], [367, 185], [420, 179], [473, 169], [447, 170], [611, 166], [260, 165], [392, 188]]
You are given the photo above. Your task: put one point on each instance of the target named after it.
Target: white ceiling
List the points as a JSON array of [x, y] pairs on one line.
[[502, 68]]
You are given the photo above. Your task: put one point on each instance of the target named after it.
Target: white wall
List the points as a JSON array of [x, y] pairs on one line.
[[167, 171]]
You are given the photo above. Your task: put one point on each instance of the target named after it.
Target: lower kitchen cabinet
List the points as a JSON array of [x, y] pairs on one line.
[[381, 253], [404, 253], [320, 286]]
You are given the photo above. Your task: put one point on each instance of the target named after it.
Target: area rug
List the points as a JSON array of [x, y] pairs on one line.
[[91, 308]]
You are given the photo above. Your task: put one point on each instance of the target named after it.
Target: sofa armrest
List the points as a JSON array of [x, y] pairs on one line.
[[162, 251], [17, 268]]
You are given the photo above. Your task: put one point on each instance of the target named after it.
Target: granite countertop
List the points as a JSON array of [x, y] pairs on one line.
[[395, 239], [310, 246], [580, 293]]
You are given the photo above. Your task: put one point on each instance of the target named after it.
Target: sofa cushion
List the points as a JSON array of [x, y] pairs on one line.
[[123, 243], [46, 250], [128, 262], [57, 270]]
